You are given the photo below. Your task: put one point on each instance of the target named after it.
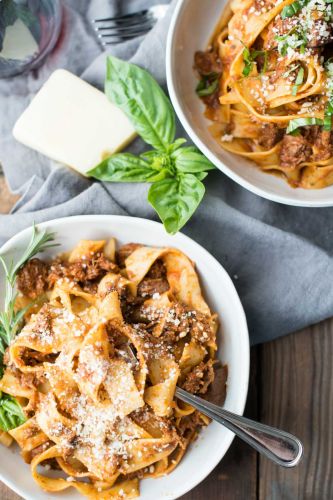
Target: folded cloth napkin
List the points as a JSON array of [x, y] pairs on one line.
[[279, 257]]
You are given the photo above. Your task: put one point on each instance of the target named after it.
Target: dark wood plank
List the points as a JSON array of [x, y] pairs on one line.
[[7, 494], [235, 478], [297, 395]]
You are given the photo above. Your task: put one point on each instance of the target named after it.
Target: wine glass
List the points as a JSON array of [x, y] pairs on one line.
[[29, 29]]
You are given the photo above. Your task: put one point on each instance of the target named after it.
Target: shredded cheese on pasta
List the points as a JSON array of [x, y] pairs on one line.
[[97, 362]]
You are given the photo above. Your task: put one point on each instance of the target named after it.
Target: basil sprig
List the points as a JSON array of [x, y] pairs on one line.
[[175, 171]]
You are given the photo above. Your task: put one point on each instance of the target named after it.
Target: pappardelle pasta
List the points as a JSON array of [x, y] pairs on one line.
[[267, 82], [107, 338]]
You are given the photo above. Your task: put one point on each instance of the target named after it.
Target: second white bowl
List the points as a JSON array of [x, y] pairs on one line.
[[191, 27]]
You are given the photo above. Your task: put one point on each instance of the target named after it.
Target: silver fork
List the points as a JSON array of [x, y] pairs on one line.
[[279, 446], [113, 30]]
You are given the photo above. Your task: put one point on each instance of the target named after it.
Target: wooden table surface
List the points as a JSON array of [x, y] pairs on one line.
[[291, 387]]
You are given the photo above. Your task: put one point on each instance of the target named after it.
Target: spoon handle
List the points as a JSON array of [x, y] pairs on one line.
[[281, 447]]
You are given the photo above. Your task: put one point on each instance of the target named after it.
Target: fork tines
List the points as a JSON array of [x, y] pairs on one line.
[[112, 30]]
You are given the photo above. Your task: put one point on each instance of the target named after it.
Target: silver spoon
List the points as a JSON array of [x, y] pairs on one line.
[[280, 446]]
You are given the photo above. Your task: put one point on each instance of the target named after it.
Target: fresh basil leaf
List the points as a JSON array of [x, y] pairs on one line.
[[176, 199], [11, 413], [176, 145], [201, 175], [247, 61], [293, 8], [192, 162], [125, 167], [150, 155], [180, 151], [208, 84], [249, 56], [294, 125], [136, 92], [298, 81]]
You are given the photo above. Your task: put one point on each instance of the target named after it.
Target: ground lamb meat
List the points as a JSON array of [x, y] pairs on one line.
[[180, 321], [269, 135], [149, 286], [124, 252], [29, 455], [32, 278], [206, 63], [322, 147], [190, 423], [200, 326], [199, 378], [89, 270], [294, 150], [84, 272], [155, 281]]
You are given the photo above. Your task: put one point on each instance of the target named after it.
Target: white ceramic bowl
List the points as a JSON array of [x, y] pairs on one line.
[[191, 27], [221, 295]]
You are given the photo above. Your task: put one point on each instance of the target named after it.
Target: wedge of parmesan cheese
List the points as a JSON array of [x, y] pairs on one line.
[[73, 123]]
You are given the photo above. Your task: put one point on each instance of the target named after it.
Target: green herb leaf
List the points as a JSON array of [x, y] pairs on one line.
[[177, 144], [125, 167], [302, 122], [296, 42], [248, 63], [192, 161], [293, 8], [176, 199], [201, 175], [249, 56], [208, 84], [290, 10], [143, 101], [298, 81], [11, 413]]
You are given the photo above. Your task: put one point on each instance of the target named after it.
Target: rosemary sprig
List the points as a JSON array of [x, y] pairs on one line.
[[11, 414], [9, 319]]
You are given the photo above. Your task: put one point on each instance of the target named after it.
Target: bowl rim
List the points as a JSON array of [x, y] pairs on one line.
[[170, 77], [179, 238]]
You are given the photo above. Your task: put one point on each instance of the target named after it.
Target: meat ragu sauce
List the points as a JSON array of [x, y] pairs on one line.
[[269, 91], [37, 277], [312, 143]]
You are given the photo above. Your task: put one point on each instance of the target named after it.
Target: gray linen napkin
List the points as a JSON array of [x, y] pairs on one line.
[[279, 257]]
